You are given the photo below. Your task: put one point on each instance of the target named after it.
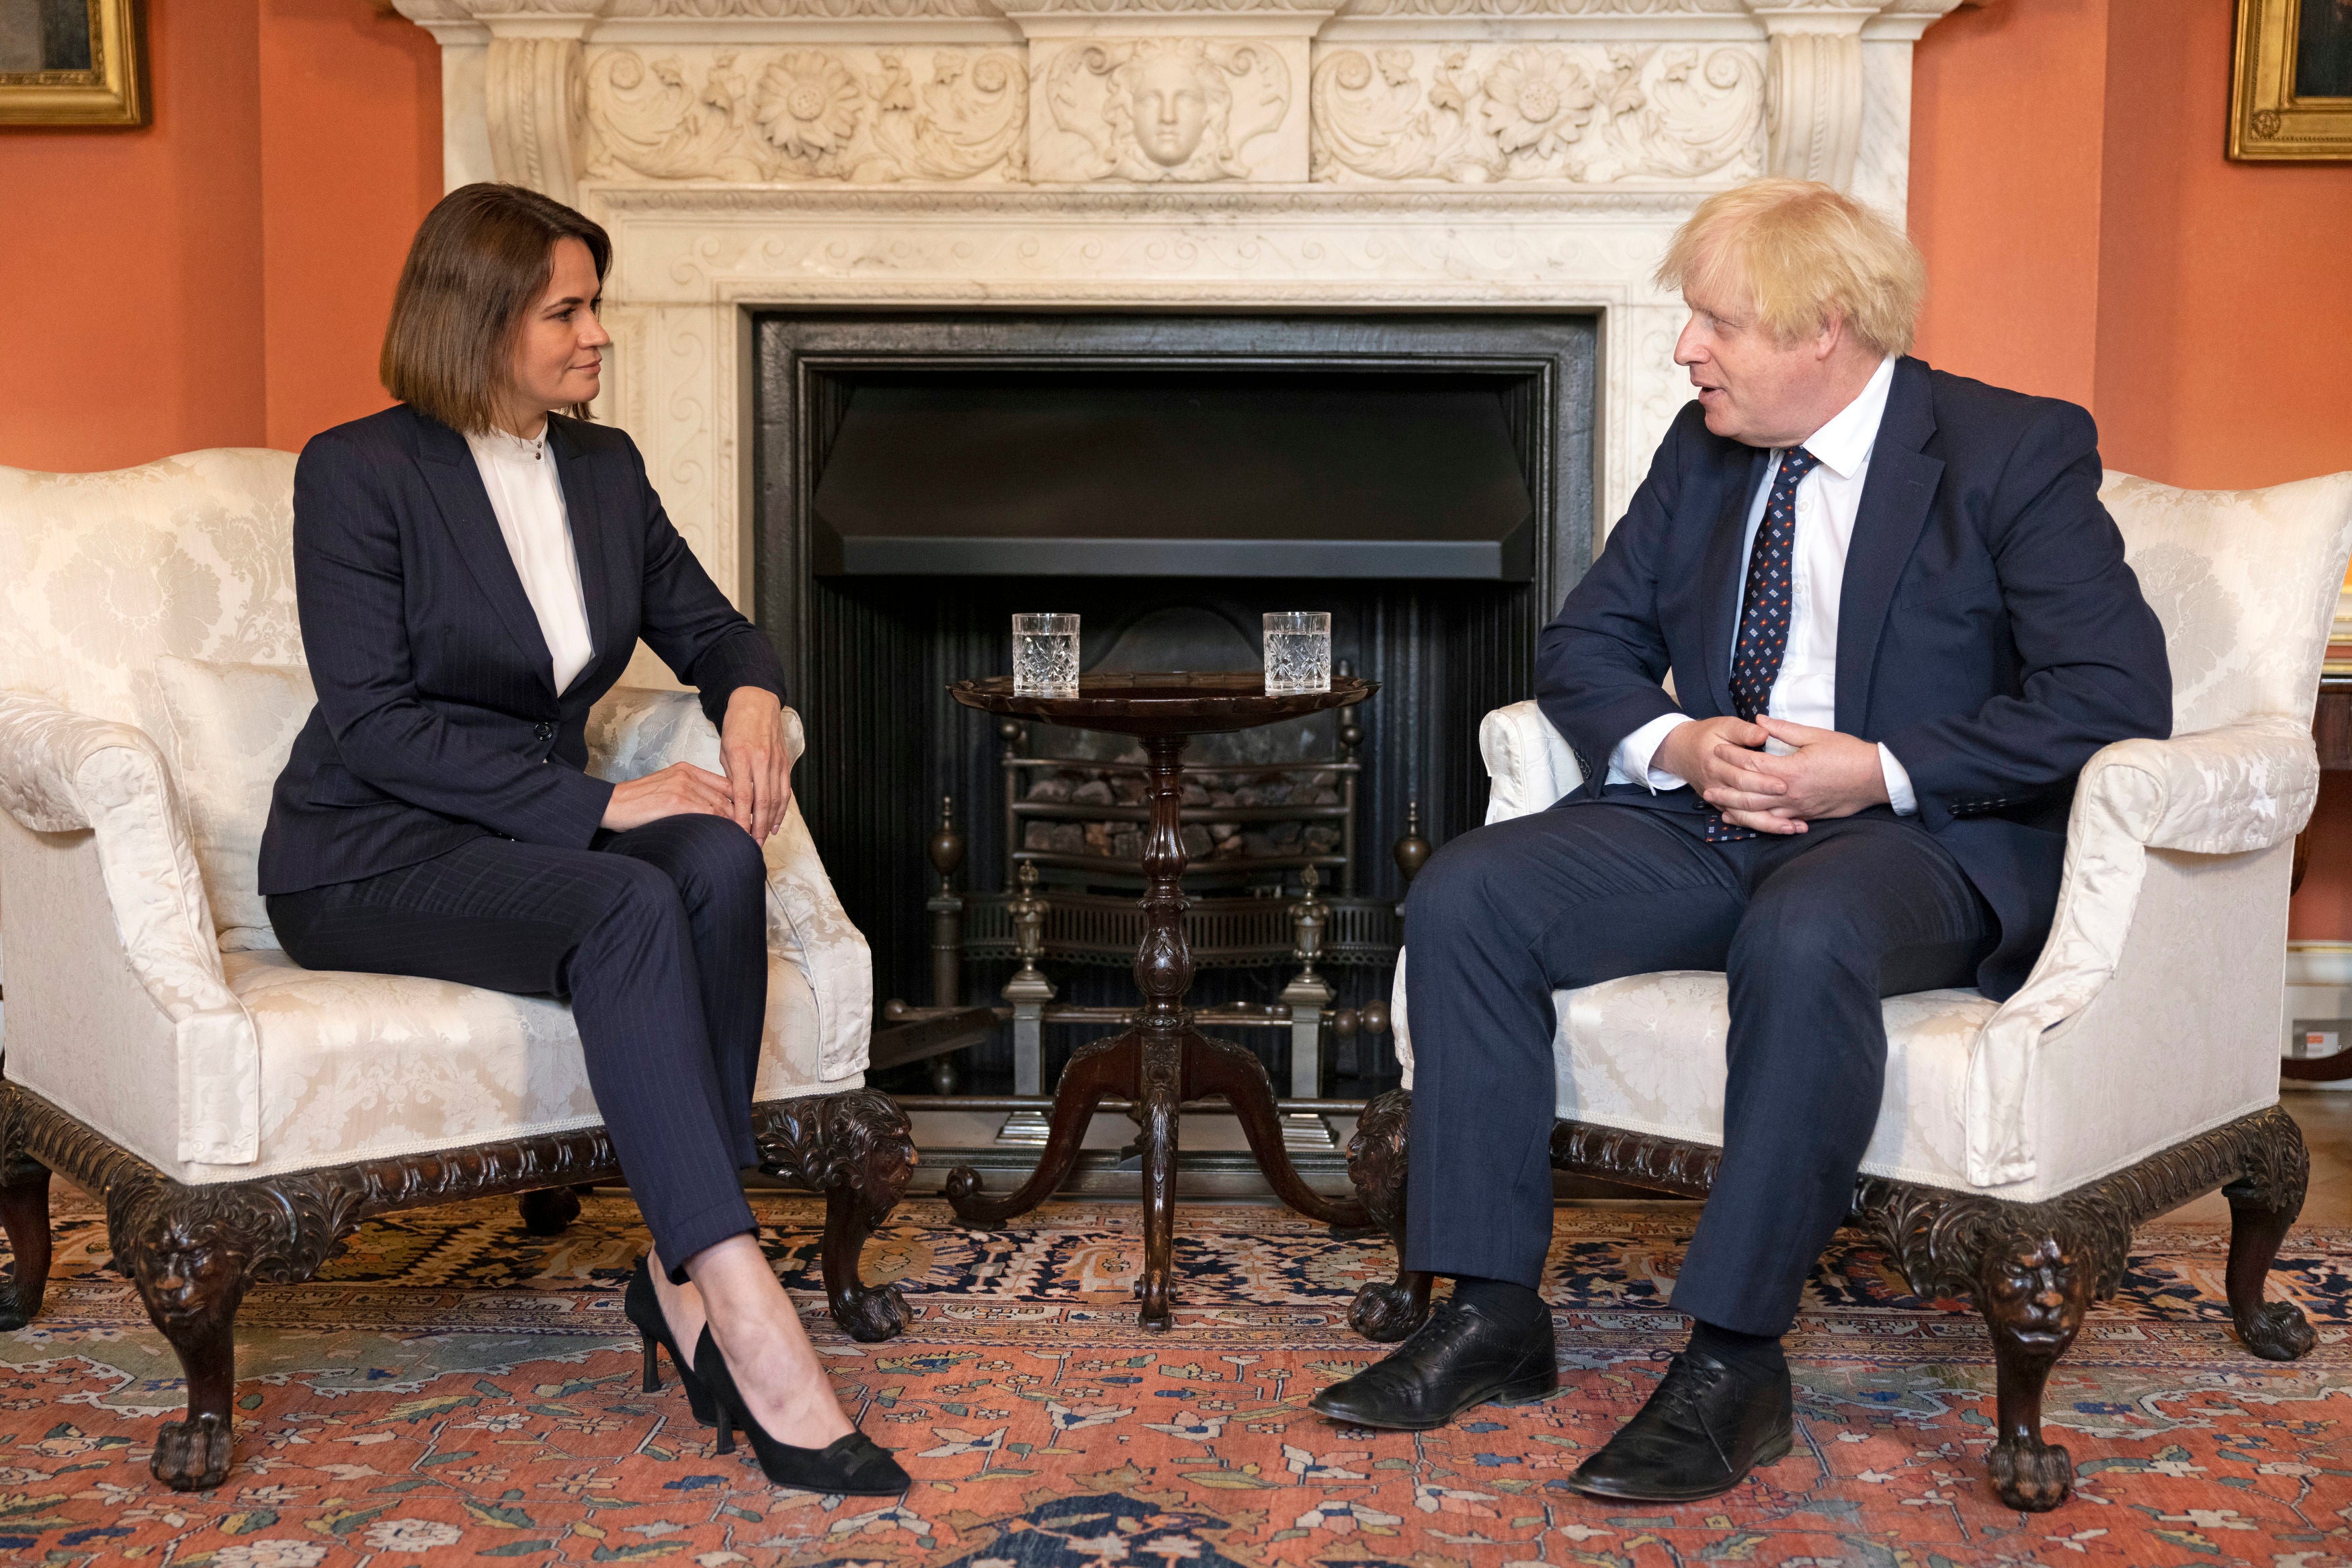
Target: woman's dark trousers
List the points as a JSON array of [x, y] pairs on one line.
[[1811, 931], [658, 939]]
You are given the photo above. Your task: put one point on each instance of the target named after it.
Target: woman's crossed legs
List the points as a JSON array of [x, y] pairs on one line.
[[659, 937]]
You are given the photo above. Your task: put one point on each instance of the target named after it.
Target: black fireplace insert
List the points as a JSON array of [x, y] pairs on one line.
[[1427, 478]]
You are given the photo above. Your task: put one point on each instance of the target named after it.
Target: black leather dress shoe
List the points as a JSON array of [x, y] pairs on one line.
[[1705, 1429], [1460, 1357]]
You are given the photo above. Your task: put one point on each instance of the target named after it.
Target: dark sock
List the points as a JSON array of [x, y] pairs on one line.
[[1757, 1355], [1507, 1302]]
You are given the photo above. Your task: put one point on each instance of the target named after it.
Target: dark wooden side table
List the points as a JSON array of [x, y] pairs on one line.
[[1160, 1060], [2331, 732]]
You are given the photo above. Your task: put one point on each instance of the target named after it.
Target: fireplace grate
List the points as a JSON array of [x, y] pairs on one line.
[[1224, 932]]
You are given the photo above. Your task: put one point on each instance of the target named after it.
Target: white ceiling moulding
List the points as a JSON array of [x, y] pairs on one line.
[[1148, 154]]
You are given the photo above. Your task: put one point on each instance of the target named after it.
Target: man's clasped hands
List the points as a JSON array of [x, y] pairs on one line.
[[1825, 773]]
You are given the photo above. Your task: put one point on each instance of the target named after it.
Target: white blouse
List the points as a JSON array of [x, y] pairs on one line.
[[529, 501]]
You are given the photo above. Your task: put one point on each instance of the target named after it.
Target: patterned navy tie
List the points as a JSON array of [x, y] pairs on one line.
[[1764, 611]]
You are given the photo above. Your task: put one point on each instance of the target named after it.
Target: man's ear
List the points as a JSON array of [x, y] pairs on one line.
[[1833, 333]]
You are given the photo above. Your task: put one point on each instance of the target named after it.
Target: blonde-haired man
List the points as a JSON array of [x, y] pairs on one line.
[[1898, 623]]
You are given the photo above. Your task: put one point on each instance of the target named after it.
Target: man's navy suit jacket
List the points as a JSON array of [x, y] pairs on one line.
[[437, 718], [1989, 634]]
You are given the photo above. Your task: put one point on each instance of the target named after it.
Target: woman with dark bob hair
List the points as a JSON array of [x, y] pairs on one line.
[[474, 567]]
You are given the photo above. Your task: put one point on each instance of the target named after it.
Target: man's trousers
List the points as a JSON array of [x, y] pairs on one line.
[[1811, 930], [657, 935]]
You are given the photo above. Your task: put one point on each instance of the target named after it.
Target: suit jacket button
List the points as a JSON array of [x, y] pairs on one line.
[[545, 732]]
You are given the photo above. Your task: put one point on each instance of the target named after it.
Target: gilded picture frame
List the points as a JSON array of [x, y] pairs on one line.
[[2291, 83], [72, 63]]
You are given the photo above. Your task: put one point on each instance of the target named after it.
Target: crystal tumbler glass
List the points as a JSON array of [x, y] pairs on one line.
[[1045, 656], [1299, 651]]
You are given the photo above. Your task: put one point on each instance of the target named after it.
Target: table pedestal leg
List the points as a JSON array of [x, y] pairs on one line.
[[1220, 1067], [1162, 1074], [1163, 973], [1163, 1062], [1095, 1073]]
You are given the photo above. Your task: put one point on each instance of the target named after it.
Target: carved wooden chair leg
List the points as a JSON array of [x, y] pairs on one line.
[[1386, 1312], [2032, 1290], [191, 1271], [549, 1210], [2263, 1203], [25, 1214], [858, 1148]]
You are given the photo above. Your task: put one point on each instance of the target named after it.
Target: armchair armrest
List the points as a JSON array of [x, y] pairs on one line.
[[1530, 764], [637, 730], [2243, 785], [63, 772], [807, 924], [2233, 790]]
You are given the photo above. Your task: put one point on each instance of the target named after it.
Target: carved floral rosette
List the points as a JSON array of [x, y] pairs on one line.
[[853, 114], [1585, 113]]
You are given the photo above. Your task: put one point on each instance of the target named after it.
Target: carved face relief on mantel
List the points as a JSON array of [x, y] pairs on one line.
[[1166, 107], [1155, 109]]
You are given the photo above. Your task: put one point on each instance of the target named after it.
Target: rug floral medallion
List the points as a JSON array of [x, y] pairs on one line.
[[453, 1389]]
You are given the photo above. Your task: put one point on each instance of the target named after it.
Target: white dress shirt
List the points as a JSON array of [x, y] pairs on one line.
[[1805, 690], [529, 501]]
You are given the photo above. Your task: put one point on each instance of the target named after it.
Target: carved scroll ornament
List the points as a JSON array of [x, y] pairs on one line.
[[1157, 110], [774, 115], [532, 100], [1812, 112], [1533, 111]]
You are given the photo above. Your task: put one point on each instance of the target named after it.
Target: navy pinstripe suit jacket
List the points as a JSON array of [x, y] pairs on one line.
[[437, 717]]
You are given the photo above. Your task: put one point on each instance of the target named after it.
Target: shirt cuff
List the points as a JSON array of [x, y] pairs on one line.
[[1898, 784], [1630, 763]]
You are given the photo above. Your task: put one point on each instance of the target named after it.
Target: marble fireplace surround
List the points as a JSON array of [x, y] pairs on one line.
[[1146, 155]]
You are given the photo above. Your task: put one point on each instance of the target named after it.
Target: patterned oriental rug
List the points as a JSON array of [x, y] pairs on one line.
[[455, 1390]]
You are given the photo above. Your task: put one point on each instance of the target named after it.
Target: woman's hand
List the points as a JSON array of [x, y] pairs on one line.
[[759, 766], [678, 791]]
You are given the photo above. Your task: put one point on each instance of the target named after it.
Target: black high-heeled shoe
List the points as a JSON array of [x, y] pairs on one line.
[[644, 1308], [854, 1466]]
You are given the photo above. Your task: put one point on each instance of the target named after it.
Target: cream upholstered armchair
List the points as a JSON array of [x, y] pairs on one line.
[[237, 1113], [2020, 1142]]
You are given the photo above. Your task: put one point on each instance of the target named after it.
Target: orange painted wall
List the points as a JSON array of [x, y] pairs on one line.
[[2086, 238], [2225, 298], [131, 263], [351, 161], [219, 278], [2006, 126]]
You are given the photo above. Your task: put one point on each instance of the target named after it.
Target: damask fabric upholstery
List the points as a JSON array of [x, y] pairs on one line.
[[2153, 1012], [364, 1065], [153, 608], [100, 574], [231, 727]]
